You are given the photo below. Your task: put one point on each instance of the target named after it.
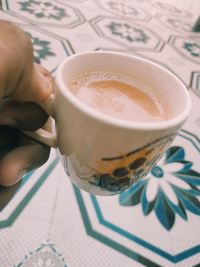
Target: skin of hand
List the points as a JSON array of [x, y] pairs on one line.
[[22, 85]]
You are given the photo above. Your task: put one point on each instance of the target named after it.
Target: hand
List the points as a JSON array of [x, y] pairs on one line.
[[22, 85]]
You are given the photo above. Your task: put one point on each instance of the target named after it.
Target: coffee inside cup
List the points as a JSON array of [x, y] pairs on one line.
[[119, 96]]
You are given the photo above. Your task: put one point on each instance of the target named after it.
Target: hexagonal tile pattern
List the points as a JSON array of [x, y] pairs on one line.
[[126, 33], [125, 9], [27, 190], [48, 50], [46, 13], [195, 82], [179, 24], [111, 229], [189, 48]]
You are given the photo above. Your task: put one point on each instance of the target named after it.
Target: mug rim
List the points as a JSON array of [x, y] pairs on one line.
[[91, 112]]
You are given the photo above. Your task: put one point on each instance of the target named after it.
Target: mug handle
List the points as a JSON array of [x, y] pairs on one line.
[[46, 137]]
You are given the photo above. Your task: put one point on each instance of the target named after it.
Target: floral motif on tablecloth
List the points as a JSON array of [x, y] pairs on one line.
[[179, 24], [128, 32], [170, 189], [192, 48], [46, 255], [42, 49], [43, 9], [170, 8], [122, 8]]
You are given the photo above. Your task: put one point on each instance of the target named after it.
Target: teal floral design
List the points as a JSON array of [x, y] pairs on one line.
[[169, 190], [130, 33], [122, 8], [41, 49], [193, 49], [43, 9]]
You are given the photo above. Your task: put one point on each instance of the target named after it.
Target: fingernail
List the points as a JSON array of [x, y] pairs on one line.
[[21, 173]]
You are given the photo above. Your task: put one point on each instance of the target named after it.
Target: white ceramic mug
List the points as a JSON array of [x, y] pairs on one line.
[[103, 155]]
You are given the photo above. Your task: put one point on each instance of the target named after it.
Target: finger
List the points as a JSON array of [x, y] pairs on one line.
[[26, 116], [28, 156], [16, 53], [6, 194], [36, 85], [19, 77]]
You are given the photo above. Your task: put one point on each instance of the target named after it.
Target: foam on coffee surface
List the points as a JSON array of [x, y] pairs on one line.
[[119, 96]]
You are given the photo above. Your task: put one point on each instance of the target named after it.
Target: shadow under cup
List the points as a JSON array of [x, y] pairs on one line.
[[103, 155]]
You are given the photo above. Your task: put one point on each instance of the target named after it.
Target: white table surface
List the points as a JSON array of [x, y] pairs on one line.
[[48, 221]]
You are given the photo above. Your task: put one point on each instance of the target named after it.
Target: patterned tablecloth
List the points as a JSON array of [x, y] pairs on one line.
[[50, 223]]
